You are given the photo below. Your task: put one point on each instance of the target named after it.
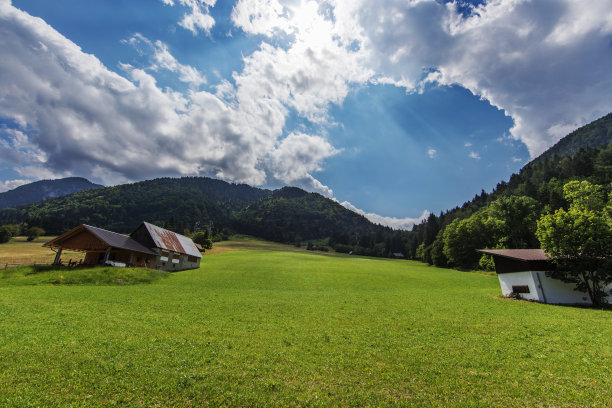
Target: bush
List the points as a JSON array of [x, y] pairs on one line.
[[5, 235], [486, 263], [343, 248], [34, 232], [203, 239]]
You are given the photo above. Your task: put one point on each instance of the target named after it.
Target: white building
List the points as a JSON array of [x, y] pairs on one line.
[[523, 272]]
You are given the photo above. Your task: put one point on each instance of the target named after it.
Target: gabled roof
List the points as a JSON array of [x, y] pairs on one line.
[[111, 239], [171, 240], [518, 254]]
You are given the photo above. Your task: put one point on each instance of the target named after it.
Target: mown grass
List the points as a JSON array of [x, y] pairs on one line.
[[21, 251], [270, 328], [41, 275]]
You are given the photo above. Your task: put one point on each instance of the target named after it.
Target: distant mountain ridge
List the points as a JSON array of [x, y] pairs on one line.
[[593, 135], [293, 215], [289, 214], [44, 190]]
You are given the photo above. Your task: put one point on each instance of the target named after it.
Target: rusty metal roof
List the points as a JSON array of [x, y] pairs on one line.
[[520, 254], [172, 241]]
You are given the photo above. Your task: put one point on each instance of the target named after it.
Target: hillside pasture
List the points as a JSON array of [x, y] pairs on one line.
[[281, 328]]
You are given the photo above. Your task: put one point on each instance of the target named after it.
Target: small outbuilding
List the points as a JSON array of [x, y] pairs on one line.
[[148, 246], [523, 272]]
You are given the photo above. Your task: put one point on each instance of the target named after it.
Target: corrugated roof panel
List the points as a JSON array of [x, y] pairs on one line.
[[172, 241]]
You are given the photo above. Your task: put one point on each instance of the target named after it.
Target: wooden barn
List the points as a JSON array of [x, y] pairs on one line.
[[523, 272], [148, 246]]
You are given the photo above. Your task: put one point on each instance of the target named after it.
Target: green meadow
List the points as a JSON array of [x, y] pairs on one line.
[[279, 328]]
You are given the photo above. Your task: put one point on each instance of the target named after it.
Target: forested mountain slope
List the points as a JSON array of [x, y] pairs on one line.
[[287, 215], [595, 135], [44, 190], [177, 204], [507, 216], [293, 215]]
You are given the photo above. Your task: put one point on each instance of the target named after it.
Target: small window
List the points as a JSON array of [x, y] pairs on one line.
[[176, 256], [520, 289], [165, 253], [192, 259]]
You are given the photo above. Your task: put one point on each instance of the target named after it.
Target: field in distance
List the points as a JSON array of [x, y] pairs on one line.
[[21, 251], [292, 328]]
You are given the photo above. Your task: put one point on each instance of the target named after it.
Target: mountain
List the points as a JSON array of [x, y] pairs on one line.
[[287, 215], [594, 135], [293, 215], [177, 204], [44, 190], [512, 208]]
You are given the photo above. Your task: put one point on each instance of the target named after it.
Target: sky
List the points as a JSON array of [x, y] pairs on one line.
[[396, 109]]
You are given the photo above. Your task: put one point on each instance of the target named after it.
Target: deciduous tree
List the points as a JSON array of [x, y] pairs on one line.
[[579, 240]]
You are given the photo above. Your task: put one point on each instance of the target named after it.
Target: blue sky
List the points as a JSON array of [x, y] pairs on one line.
[[393, 108]]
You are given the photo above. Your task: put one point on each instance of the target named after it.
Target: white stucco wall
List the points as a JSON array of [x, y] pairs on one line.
[[559, 292], [551, 290], [507, 280]]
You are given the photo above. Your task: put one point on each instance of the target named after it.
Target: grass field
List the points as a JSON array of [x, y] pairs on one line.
[[281, 328], [19, 251]]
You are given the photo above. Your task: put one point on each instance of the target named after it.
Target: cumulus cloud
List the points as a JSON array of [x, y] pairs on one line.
[[297, 156], [395, 223], [198, 17], [161, 58], [11, 184], [545, 63], [431, 153], [474, 155], [90, 121]]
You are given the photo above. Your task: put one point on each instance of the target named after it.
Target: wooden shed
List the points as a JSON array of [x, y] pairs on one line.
[[148, 246], [102, 247], [174, 251], [523, 272]]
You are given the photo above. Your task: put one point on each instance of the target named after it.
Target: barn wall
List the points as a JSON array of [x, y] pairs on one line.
[[508, 280], [167, 265], [559, 292]]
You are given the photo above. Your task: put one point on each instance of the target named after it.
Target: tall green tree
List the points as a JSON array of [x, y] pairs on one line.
[[516, 218], [203, 239], [5, 235], [579, 240]]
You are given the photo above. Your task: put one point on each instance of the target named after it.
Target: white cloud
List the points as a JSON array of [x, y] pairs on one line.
[[431, 153], [517, 159], [546, 64], [162, 59], [11, 184], [395, 223], [297, 156], [198, 18], [467, 144], [93, 122], [474, 155]]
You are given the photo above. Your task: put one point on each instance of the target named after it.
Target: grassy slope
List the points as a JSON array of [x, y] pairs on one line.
[[102, 275], [289, 328]]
